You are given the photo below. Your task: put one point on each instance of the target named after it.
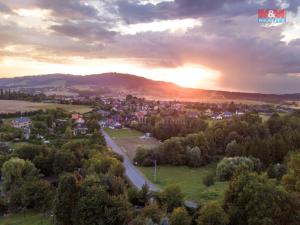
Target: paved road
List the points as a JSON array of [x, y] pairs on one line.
[[132, 173]]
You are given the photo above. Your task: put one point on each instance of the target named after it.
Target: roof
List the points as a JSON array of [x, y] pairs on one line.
[[22, 120]]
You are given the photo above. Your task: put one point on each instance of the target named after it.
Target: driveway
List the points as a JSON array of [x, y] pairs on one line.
[[132, 173]]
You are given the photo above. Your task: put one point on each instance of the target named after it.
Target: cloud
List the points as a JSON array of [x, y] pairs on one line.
[[92, 31], [68, 8], [133, 11], [4, 8]]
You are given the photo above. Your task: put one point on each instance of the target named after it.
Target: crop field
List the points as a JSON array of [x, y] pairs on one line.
[[189, 180], [129, 140], [28, 218], [11, 106]]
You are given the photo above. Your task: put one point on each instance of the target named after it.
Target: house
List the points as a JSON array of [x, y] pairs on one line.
[[140, 115], [227, 114], [217, 116], [60, 122], [193, 115], [76, 116], [239, 113], [80, 121], [208, 112], [21, 122], [80, 129]]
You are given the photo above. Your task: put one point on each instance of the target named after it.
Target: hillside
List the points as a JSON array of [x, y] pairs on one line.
[[122, 84]]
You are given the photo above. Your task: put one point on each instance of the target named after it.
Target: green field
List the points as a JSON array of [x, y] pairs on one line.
[[123, 133], [189, 180], [129, 140], [28, 218]]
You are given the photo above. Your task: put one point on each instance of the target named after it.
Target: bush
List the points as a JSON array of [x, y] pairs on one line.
[[212, 213], [209, 179], [180, 216], [171, 198], [276, 171]]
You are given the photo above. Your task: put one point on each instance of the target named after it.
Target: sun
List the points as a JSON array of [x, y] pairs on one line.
[[195, 76]]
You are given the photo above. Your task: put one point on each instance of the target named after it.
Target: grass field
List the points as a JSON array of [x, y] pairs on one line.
[[129, 140], [25, 219], [11, 106], [189, 180]]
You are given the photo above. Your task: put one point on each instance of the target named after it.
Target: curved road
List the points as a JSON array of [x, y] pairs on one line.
[[132, 173]]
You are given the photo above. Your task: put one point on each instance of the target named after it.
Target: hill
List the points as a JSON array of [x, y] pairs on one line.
[[122, 84]]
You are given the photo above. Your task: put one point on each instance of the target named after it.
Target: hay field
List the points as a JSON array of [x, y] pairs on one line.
[[11, 106]]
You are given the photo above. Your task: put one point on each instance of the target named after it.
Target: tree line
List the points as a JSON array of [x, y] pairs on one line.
[[247, 136]]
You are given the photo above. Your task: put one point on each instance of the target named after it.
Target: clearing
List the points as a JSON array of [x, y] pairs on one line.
[[11, 106], [189, 180], [129, 140], [28, 218]]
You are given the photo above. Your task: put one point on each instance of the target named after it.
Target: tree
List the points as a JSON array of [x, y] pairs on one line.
[[64, 161], [171, 198], [96, 206], [292, 179], [254, 199], [36, 194], [228, 166], [194, 156], [180, 216], [212, 214], [93, 125], [152, 212], [15, 171], [274, 123], [173, 152], [66, 199], [68, 133]]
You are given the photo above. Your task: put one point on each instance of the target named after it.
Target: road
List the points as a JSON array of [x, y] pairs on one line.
[[132, 173]]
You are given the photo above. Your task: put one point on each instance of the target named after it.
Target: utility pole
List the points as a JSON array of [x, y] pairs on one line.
[[155, 171]]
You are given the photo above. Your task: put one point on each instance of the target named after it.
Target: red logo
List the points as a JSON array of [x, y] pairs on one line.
[[271, 13]]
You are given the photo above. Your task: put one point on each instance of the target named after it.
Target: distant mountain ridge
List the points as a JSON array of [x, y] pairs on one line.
[[116, 83]]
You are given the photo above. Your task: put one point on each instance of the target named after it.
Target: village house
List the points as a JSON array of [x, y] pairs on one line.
[[22, 122], [76, 116], [227, 114], [80, 129], [193, 115], [217, 116], [208, 112]]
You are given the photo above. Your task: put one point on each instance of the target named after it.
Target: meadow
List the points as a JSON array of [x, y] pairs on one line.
[[129, 140], [189, 180], [11, 106], [28, 218]]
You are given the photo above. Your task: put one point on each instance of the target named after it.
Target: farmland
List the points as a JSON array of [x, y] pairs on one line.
[[189, 180], [129, 140], [11, 106]]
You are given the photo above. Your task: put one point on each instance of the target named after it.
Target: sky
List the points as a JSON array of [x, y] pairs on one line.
[[208, 44]]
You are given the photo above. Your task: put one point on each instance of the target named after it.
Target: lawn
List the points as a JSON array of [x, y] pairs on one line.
[[11, 106], [129, 140], [28, 218], [189, 180]]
